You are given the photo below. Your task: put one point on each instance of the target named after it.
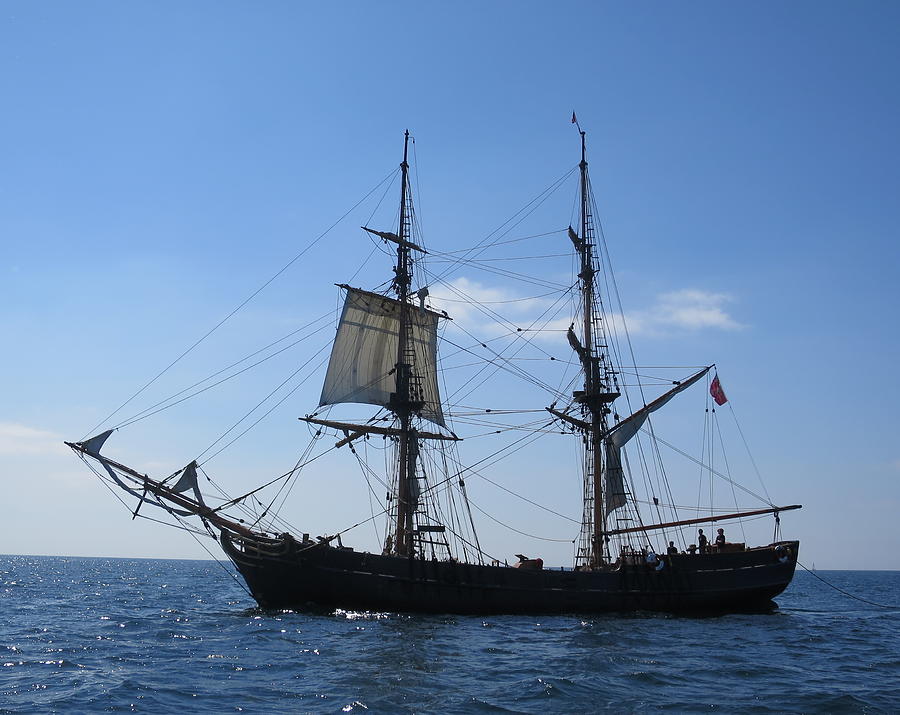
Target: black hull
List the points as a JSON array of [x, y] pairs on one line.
[[285, 574]]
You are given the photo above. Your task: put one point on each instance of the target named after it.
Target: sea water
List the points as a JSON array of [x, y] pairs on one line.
[[114, 635]]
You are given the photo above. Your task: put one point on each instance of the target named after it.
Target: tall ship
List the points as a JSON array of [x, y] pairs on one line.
[[634, 548]]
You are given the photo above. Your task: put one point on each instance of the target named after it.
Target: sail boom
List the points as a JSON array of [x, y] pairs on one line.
[[580, 424], [357, 430], [393, 301], [638, 417], [704, 519], [393, 237]]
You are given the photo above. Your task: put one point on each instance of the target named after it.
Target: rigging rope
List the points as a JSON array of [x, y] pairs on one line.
[[847, 593], [712, 471], [526, 499], [747, 447], [150, 411], [521, 277], [255, 293], [260, 404], [521, 215], [508, 365], [512, 528], [236, 500], [180, 525], [476, 261], [468, 301], [715, 420], [471, 468], [500, 243]]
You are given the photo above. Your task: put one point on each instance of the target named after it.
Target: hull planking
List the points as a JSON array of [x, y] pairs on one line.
[[286, 574]]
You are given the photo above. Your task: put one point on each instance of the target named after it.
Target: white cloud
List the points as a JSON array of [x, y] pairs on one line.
[[21, 440], [683, 310], [471, 304], [674, 312]]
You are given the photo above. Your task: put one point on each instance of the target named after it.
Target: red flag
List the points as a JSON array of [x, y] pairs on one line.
[[574, 121], [718, 394]]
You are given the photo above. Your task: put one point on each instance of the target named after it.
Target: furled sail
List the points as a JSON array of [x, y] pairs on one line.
[[614, 478], [363, 360], [619, 434], [187, 481]]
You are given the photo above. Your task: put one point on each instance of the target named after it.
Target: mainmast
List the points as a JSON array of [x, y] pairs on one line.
[[596, 395], [401, 403]]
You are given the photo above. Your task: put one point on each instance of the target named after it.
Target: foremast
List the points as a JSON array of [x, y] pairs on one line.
[[385, 354], [598, 381], [401, 402]]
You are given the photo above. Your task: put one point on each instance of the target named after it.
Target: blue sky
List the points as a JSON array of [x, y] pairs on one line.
[[160, 161]]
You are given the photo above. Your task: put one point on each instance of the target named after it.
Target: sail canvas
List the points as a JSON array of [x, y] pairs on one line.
[[364, 355]]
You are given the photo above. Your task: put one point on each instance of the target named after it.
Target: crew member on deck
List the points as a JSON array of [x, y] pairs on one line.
[[720, 539], [672, 548], [702, 541]]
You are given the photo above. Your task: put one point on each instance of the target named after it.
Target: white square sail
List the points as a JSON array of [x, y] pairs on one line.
[[364, 354]]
